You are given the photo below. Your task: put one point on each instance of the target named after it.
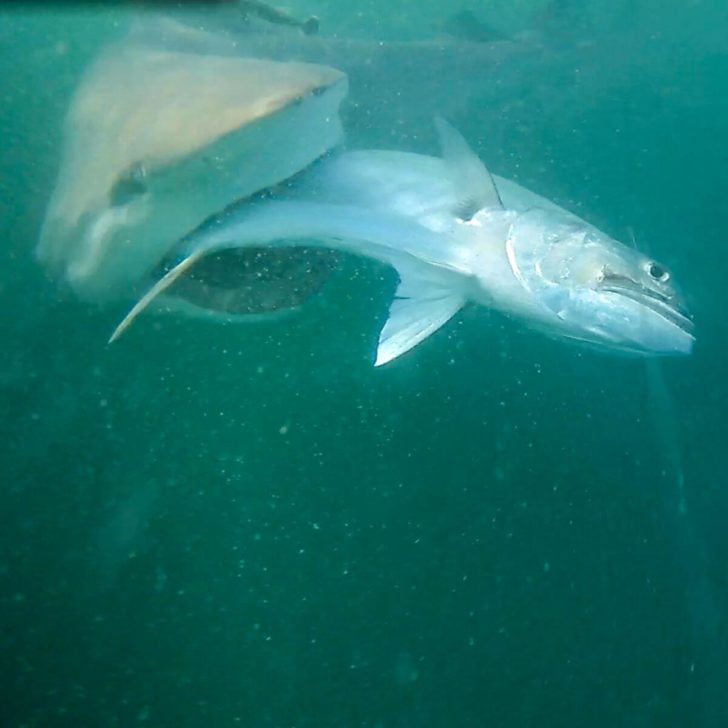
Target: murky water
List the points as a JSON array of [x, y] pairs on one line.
[[213, 525]]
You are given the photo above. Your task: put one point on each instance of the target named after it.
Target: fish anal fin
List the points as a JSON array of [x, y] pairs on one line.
[[412, 319]]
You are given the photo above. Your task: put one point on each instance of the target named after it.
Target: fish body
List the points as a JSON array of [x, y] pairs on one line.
[[455, 234]]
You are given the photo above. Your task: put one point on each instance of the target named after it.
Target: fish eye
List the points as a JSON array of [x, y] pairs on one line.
[[656, 271]]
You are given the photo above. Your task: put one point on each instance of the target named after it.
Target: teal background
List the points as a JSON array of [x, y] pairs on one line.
[[212, 525]]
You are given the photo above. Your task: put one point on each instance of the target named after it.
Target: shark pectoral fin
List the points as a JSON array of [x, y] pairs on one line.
[[412, 320], [472, 182]]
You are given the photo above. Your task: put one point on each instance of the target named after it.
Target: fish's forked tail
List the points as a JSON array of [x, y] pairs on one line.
[[158, 288], [420, 307]]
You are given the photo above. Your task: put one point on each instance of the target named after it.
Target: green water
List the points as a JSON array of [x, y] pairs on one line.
[[212, 525]]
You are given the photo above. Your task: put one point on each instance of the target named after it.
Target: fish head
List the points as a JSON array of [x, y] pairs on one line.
[[590, 287]]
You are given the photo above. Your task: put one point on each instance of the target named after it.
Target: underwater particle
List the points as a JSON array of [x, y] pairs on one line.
[[405, 671]]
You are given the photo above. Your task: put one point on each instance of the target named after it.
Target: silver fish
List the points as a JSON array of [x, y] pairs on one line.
[[456, 234]]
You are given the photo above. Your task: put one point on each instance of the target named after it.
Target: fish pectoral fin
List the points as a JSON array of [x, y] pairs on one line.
[[412, 319], [472, 182]]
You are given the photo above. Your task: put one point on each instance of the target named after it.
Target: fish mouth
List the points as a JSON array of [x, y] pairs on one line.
[[670, 308]]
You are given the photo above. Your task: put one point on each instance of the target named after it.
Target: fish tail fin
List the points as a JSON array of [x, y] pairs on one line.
[[157, 289]]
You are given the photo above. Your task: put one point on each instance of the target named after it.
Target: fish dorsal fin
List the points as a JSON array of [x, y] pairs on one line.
[[472, 182], [413, 317]]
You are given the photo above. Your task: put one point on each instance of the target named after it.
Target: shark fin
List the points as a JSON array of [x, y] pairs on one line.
[[413, 318], [473, 184]]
